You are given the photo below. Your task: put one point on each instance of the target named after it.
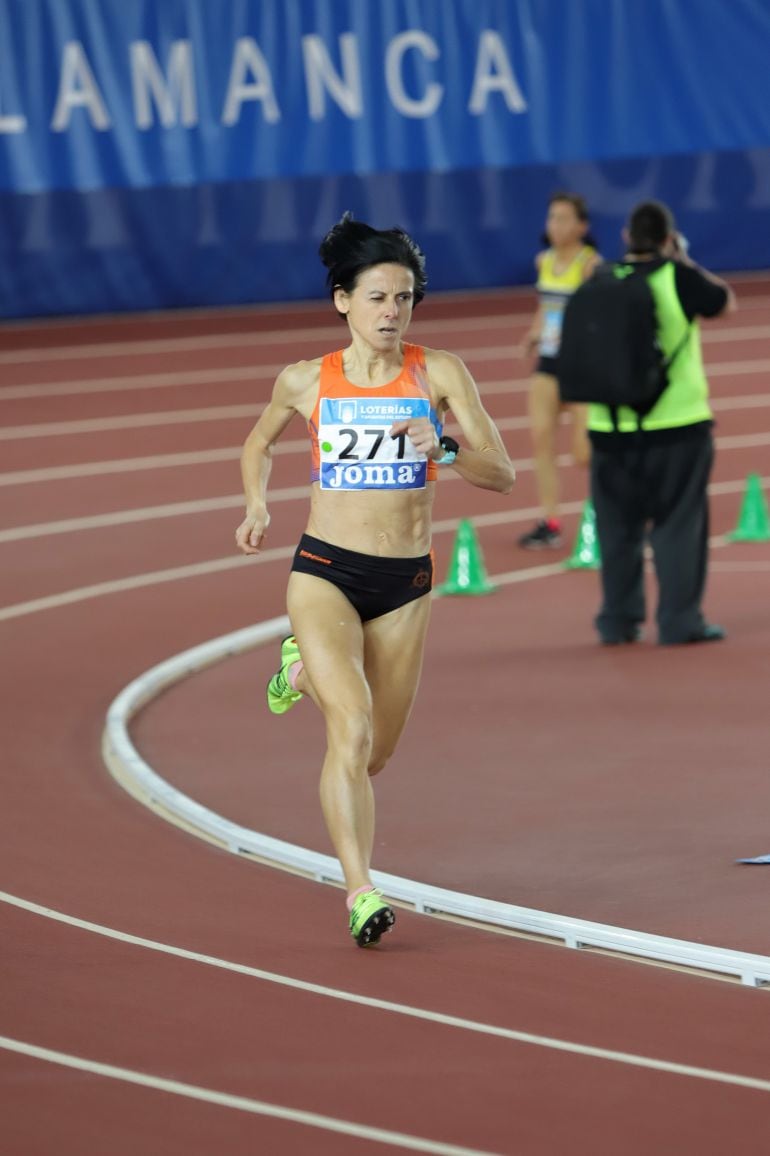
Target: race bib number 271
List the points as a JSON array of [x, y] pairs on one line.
[[356, 449]]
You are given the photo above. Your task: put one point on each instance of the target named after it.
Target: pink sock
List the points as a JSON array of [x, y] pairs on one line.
[[354, 895], [295, 670]]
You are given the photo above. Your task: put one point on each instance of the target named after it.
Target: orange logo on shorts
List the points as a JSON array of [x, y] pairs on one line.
[[421, 579], [315, 557]]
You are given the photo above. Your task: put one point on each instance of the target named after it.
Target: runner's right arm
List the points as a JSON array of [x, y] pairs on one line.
[[257, 456]]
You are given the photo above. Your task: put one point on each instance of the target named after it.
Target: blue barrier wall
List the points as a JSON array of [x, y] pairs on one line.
[[180, 153]]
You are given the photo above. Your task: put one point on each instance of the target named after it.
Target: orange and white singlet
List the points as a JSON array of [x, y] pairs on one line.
[[349, 428]]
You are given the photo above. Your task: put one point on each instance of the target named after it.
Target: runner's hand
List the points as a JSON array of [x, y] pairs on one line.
[[421, 433], [250, 535]]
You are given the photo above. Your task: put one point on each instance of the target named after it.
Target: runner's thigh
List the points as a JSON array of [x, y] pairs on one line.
[[331, 642], [393, 650]]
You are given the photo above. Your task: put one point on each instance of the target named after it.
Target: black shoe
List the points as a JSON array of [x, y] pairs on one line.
[[709, 632], [542, 537], [633, 634]]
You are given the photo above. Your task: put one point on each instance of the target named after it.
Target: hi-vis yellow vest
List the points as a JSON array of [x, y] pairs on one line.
[[685, 400]]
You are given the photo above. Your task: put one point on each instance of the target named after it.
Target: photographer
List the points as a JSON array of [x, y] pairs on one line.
[[655, 477]]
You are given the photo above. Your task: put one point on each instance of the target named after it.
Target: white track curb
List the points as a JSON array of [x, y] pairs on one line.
[[140, 780]]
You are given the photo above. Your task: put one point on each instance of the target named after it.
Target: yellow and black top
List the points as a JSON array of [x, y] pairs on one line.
[[554, 290]]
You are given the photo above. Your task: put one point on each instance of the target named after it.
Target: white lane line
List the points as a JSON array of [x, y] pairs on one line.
[[188, 458], [143, 514], [234, 501], [247, 373], [245, 340], [131, 384], [120, 466], [140, 514], [252, 410], [477, 1027], [742, 441], [160, 318], [277, 310], [739, 567], [251, 374], [206, 414], [135, 582], [216, 565], [422, 326], [746, 401], [239, 1103], [737, 368], [132, 421]]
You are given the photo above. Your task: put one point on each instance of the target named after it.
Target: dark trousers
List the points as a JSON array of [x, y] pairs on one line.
[[641, 487]]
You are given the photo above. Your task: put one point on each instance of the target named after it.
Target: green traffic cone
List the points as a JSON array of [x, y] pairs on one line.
[[585, 553], [753, 522], [467, 574]]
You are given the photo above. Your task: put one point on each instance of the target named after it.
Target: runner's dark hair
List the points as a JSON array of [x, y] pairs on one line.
[[351, 246]]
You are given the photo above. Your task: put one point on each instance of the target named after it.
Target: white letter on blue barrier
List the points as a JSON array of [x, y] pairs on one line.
[[494, 74], [11, 124], [170, 94], [78, 89], [248, 58], [434, 92], [322, 77]]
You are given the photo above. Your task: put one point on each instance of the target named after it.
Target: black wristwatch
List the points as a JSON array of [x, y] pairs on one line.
[[451, 449]]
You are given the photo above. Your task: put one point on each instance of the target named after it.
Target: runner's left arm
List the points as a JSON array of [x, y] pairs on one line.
[[482, 459]]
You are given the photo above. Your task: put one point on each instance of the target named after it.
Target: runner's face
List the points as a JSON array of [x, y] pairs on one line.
[[380, 307], [563, 226]]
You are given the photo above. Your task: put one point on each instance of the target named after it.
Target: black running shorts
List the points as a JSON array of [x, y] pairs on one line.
[[546, 365], [372, 584]]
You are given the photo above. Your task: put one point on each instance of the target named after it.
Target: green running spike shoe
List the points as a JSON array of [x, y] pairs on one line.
[[280, 696], [370, 918]]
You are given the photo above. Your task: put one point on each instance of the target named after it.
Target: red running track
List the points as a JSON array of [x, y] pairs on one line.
[[612, 786]]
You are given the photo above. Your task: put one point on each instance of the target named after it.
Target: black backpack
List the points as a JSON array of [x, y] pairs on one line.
[[609, 352]]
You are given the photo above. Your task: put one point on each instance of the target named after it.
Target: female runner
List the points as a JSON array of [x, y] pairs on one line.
[[358, 590]]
